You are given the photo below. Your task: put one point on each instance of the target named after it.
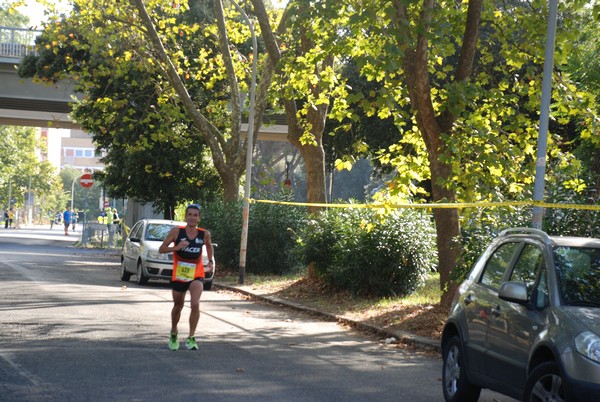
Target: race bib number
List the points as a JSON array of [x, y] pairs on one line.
[[184, 271]]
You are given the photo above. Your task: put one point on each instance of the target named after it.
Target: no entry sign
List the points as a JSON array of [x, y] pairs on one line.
[[86, 180]]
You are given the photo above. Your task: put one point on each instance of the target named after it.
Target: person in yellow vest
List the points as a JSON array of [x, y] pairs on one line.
[[108, 216], [11, 216]]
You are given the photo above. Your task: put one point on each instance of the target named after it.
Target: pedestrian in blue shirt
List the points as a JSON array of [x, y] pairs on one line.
[[67, 220]]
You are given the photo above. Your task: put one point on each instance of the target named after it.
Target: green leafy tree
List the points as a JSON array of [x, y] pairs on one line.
[[305, 77], [584, 66], [83, 199], [20, 169], [306, 81], [224, 70], [150, 157], [9, 17], [462, 82]]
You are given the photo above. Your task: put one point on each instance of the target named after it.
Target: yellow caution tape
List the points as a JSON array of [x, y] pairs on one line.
[[447, 205]]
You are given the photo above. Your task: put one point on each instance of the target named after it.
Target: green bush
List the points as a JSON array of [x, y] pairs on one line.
[[484, 224], [369, 254], [571, 221], [271, 235], [224, 221]]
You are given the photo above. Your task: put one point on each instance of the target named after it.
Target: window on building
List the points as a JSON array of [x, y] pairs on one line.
[[80, 152]]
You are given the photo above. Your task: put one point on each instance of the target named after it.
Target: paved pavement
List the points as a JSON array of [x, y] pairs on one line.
[[44, 232]]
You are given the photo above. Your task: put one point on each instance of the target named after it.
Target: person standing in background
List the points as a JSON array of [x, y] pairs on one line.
[[67, 220], [74, 217], [116, 220], [11, 216]]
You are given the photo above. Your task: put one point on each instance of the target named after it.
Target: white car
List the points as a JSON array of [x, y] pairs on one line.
[[140, 254]]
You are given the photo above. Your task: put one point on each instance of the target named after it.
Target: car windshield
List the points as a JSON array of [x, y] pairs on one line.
[[157, 231], [578, 275]]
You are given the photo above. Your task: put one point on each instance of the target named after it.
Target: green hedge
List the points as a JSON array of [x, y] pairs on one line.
[[482, 225], [369, 254], [271, 235]]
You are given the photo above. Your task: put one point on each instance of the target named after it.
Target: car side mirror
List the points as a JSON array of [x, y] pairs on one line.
[[514, 291], [134, 239]]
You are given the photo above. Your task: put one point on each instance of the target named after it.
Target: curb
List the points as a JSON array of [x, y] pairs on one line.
[[401, 336]]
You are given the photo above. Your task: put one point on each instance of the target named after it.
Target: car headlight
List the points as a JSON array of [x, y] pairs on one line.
[[155, 255], [588, 344]]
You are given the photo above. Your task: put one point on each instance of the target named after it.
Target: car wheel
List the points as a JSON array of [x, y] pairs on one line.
[[124, 274], [141, 278], [208, 285], [454, 378], [544, 384]]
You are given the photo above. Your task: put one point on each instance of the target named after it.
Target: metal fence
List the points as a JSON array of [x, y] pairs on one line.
[[101, 235], [17, 42]]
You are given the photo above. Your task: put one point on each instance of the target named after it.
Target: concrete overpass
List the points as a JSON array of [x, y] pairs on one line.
[[23, 102], [26, 103]]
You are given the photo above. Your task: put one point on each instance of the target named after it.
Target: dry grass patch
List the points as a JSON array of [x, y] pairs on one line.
[[419, 313]]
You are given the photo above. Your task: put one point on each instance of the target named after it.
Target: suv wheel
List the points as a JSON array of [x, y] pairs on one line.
[[454, 378], [544, 384]]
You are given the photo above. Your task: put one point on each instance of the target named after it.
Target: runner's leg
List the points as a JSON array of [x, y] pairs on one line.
[[178, 300], [196, 288]]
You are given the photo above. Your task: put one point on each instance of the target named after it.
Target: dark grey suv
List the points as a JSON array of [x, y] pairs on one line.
[[526, 322]]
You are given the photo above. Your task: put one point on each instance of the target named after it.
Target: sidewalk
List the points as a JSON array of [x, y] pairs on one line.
[[399, 336]]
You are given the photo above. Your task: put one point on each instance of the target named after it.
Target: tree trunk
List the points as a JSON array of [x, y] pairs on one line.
[[432, 126], [231, 187], [447, 227], [314, 160], [313, 155]]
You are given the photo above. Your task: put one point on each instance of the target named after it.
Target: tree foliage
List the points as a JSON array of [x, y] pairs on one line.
[[9, 17], [139, 76], [462, 80], [20, 169]]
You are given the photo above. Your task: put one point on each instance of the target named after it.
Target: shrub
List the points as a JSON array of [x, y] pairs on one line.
[[271, 235], [224, 221], [370, 254], [484, 224], [571, 221]]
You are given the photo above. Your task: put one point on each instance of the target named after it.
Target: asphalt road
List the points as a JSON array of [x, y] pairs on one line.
[[71, 330]]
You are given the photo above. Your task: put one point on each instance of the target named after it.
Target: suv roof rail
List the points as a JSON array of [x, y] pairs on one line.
[[530, 231]]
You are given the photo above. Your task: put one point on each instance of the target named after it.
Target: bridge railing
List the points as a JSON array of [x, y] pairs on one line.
[[17, 42]]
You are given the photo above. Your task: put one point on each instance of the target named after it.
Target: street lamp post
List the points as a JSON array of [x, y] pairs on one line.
[[73, 190], [249, 143], [29, 206], [540, 162]]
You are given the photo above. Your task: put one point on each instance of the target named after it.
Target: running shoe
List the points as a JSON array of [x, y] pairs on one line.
[[173, 342], [191, 343]]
